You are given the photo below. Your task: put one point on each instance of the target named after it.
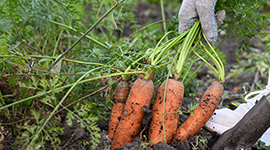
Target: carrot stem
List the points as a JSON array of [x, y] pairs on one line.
[[157, 49], [165, 47], [222, 70], [87, 36], [164, 57], [164, 99], [217, 61], [69, 85], [64, 59], [188, 70], [185, 49], [205, 61], [163, 109], [163, 17]]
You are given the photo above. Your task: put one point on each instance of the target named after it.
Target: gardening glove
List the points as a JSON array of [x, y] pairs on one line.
[[191, 10]]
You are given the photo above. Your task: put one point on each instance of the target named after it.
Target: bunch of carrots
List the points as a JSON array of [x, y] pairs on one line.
[[127, 115]]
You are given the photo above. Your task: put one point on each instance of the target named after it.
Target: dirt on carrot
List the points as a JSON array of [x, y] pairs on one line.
[[139, 96], [120, 97], [207, 105], [173, 101]]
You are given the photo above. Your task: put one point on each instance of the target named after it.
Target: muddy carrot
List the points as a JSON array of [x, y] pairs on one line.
[[140, 94], [173, 101], [207, 105], [120, 97]]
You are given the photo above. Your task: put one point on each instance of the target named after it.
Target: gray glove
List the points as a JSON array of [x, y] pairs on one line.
[[191, 10]]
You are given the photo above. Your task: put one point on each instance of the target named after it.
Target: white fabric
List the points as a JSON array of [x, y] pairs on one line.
[[224, 119]]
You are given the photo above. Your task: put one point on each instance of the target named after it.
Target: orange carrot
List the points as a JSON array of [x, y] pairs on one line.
[[120, 97], [140, 94], [173, 101], [207, 105], [151, 76]]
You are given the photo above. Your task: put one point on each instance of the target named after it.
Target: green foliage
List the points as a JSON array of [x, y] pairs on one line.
[[255, 60], [38, 13], [192, 107], [144, 144], [244, 20], [173, 23], [3, 45], [26, 72], [199, 139], [261, 146], [50, 133]]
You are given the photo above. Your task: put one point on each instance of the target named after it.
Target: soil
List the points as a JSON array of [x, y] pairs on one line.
[[76, 138]]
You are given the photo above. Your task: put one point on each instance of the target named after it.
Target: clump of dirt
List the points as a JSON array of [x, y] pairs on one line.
[[105, 142], [72, 135], [135, 145]]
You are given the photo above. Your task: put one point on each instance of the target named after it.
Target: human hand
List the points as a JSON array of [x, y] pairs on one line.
[[191, 10]]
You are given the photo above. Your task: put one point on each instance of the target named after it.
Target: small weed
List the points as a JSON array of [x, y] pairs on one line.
[[199, 139], [261, 146], [144, 144]]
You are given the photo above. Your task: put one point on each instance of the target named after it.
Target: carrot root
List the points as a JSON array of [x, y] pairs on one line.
[[173, 101], [120, 97], [207, 105], [140, 94]]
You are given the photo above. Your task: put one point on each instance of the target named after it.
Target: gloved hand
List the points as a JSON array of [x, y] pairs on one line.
[[191, 10]]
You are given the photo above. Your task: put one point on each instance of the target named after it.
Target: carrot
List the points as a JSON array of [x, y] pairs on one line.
[[207, 105], [151, 76], [120, 97], [174, 96], [140, 94]]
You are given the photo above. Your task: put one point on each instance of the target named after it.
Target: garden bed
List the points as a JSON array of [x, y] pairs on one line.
[[75, 137]]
